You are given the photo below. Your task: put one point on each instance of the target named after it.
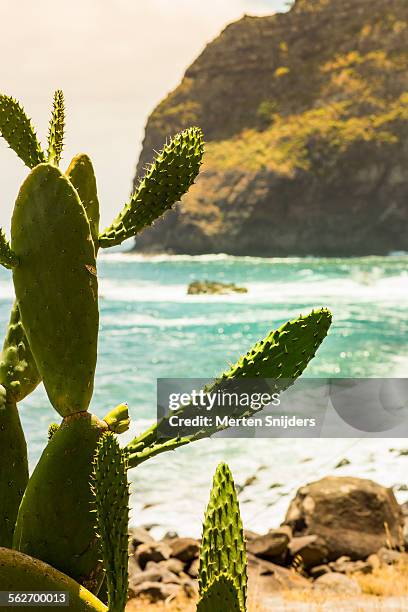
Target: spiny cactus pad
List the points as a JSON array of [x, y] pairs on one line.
[[220, 596], [169, 177], [82, 176], [19, 572], [13, 466], [56, 129], [18, 370], [56, 286], [110, 488], [16, 128], [281, 357], [62, 533], [222, 545], [8, 259]]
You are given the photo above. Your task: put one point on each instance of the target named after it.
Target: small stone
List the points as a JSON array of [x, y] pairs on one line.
[[319, 570], [388, 556], [155, 591], [194, 568], [337, 583], [185, 549], [152, 551], [271, 546], [137, 536], [311, 549], [342, 463]]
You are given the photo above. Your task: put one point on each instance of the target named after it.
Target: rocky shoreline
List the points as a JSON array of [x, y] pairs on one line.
[[336, 530]]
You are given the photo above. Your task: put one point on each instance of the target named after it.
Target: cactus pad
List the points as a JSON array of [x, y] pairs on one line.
[[8, 259], [82, 176], [16, 128], [222, 545], [56, 286], [62, 533], [23, 573], [110, 488], [281, 357], [18, 370], [56, 129], [167, 179], [13, 466], [220, 596]]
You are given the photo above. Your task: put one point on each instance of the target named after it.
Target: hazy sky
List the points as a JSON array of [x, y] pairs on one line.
[[114, 59]]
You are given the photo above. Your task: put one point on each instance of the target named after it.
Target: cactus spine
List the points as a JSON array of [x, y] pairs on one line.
[[110, 488], [222, 545]]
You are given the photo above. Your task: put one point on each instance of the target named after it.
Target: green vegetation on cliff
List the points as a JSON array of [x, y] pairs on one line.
[[304, 113]]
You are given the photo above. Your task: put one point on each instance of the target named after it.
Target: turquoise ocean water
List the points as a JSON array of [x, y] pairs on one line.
[[150, 328]]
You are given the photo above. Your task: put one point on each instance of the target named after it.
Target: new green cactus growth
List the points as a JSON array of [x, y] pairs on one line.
[[56, 129], [222, 545], [8, 259], [82, 176], [110, 487]]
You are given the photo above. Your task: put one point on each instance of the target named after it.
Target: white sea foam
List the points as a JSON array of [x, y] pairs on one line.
[[319, 290]]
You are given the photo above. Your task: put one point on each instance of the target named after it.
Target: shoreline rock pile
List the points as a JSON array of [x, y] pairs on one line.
[[334, 529]]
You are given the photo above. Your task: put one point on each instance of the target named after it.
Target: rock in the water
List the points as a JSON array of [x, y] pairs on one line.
[[311, 157], [337, 583], [214, 288], [185, 549], [353, 516]]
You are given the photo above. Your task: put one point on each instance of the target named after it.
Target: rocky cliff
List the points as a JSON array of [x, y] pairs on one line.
[[305, 115]]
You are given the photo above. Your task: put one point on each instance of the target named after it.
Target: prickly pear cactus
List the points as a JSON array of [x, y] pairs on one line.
[[19, 572], [82, 176], [281, 357], [220, 596], [111, 491], [56, 286], [63, 473], [169, 177], [222, 545]]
